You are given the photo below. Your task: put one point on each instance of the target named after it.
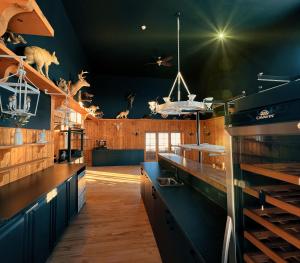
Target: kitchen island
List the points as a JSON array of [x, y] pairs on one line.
[[188, 227]]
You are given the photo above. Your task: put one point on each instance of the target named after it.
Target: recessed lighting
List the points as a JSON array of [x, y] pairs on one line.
[[143, 27]]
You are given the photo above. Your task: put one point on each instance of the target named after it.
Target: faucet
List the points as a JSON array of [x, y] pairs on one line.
[[176, 172]]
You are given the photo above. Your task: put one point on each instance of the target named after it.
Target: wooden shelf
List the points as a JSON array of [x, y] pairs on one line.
[[22, 164], [285, 197], [24, 17], [7, 147], [278, 222], [33, 23], [271, 246], [287, 172], [40, 81]]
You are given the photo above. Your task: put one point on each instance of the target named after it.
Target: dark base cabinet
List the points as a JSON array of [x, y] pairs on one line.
[[32, 235], [173, 245], [11, 241]]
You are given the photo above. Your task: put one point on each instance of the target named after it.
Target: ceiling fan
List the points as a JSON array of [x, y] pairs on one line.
[[160, 61]]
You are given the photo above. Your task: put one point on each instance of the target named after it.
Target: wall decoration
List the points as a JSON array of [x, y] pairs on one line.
[[123, 115], [41, 58], [20, 94], [99, 114], [118, 125], [130, 99], [160, 61], [81, 82], [92, 109], [63, 85], [13, 38], [85, 97]]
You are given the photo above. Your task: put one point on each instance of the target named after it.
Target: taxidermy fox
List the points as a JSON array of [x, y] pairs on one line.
[[41, 57]]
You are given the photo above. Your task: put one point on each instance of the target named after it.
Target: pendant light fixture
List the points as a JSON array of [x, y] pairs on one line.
[[20, 94], [179, 106]]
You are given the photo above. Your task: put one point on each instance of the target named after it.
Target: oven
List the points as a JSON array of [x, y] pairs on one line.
[[263, 178]]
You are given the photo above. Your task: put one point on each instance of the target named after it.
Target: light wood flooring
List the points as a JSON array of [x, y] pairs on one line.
[[113, 226]]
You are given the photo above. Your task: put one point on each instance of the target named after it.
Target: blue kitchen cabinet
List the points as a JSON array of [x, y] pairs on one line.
[[173, 244], [72, 197], [12, 241], [60, 202], [38, 232]]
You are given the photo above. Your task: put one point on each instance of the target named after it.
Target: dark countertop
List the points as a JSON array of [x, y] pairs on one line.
[[205, 172], [108, 149], [19, 195], [200, 219]]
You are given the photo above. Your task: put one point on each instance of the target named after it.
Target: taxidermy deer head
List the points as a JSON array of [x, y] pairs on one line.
[[81, 82]]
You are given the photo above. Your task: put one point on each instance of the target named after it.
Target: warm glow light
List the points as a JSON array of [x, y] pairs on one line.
[[221, 35]]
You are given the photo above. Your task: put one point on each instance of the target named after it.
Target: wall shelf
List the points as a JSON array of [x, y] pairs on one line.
[[287, 172], [204, 147], [8, 168], [24, 17], [39, 80], [8, 147]]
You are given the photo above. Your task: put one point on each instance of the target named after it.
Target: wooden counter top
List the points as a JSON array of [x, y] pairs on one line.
[[212, 176], [19, 195]]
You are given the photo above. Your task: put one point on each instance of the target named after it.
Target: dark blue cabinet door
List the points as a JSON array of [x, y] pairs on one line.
[[41, 234], [12, 241], [60, 211], [72, 197]]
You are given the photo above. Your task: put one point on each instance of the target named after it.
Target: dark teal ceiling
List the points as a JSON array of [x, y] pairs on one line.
[[114, 44]]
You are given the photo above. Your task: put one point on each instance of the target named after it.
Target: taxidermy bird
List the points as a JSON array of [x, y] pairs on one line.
[[160, 61], [130, 99]]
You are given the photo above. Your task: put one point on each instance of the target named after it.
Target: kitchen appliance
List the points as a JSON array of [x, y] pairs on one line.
[[101, 144], [263, 177], [81, 190]]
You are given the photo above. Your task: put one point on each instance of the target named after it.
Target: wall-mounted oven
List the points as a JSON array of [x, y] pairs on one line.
[[263, 169]]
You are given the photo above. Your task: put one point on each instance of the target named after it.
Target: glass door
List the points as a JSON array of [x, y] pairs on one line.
[[267, 197]]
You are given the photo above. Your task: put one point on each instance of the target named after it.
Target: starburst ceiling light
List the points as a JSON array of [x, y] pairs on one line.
[[20, 95], [179, 106]]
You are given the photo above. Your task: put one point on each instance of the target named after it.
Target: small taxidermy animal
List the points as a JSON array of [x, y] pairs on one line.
[[13, 38], [99, 114], [63, 85], [81, 82], [85, 96], [130, 99], [92, 109], [41, 58], [162, 62], [123, 115]]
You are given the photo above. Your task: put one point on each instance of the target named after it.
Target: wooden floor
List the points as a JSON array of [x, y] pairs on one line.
[[113, 225]]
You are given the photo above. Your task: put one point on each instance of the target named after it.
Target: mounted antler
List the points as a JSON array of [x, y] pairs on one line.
[[81, 75], [81, 82]]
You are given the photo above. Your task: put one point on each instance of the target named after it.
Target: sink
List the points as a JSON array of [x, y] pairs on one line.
[[168, 181]]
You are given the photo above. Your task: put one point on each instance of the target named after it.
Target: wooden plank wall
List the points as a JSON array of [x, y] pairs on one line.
[[21, 161], [130, 134], [213, 132]]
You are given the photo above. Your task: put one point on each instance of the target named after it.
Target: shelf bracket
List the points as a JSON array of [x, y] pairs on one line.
[[11, 8]]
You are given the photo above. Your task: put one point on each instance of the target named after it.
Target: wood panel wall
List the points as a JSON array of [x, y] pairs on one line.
[[213, 132], [130, 134], [21, 161]]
